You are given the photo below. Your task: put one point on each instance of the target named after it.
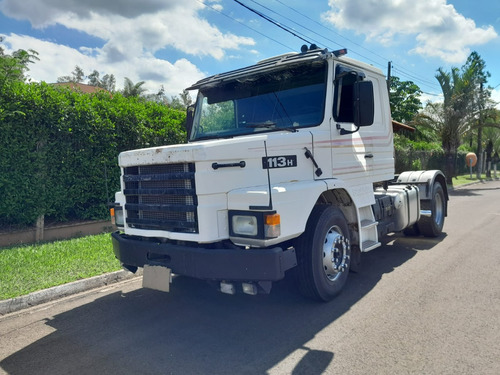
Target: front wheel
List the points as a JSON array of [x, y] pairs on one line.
[[433, 226], [323, 254]]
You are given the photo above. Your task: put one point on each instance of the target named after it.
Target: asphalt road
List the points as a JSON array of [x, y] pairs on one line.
[[417, 306]]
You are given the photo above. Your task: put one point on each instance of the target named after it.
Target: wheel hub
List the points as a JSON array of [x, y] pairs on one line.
[[438, 210], [336, 251]]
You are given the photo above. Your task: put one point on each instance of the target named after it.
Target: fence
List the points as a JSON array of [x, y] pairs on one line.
[[409, 159]]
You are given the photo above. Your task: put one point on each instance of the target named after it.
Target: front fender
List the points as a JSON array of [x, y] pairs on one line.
[[293, 201]]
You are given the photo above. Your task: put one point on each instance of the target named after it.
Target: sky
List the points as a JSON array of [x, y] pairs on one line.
[[174, 43]]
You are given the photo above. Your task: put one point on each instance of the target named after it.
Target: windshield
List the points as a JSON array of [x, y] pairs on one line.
[[281, 99]]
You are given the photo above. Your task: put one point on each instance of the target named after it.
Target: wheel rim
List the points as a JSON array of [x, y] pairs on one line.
[[335, 253], [438, 209]]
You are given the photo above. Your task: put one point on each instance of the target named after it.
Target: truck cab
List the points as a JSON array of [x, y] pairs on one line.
[[289, 168]]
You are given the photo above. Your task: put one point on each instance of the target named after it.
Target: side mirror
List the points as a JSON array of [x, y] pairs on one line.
[[189, 120], [363, 105]]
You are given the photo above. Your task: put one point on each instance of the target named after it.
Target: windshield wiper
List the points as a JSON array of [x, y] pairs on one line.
[[271, 125], [205, 137], [267, 124]]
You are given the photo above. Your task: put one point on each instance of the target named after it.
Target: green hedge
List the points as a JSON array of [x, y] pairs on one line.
[[59, 148], [409, 159]]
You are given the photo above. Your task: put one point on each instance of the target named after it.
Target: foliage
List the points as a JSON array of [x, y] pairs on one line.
[[107, 82], [13, 67], [461, 109], [132, 89], [217, 117], [59, 148], [77, 76], [12, 71], [404, 99], [410, 159]]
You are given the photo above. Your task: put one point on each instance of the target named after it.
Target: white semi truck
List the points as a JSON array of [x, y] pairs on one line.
[[289, 169]]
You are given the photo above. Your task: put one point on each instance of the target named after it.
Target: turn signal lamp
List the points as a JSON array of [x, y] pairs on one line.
[[112, 213], [272, 225]]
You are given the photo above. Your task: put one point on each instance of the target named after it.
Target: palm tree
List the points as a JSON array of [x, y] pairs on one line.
[[132, 89], [461, 109], [451, 118]]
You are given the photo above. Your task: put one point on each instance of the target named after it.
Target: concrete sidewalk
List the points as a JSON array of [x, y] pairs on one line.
[[60, 291]]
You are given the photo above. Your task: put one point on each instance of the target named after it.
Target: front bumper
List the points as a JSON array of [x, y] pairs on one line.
[[202, 263]]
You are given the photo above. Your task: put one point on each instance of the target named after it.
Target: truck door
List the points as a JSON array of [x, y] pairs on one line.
[[351, 151], [363, 154]]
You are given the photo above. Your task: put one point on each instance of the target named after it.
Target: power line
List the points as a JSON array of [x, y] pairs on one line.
[[331, 30], [272, 21], [289, 19], [241, 23], [307, 39], [296, 33], [405, 72]]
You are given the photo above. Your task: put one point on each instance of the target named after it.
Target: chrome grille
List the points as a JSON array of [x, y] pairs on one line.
[[161, 197]]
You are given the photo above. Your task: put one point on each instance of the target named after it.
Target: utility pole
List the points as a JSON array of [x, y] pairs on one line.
[[389, 66], [479, 168]]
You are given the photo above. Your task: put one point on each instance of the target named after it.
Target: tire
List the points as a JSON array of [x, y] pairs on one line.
[[433, 226], [412, 231], [323, 254]]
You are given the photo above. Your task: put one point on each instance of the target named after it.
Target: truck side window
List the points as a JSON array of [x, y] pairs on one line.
[[343, 96]]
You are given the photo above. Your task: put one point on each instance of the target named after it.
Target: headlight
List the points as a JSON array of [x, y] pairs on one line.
[[254, 224], [119, 220], [244, 225]]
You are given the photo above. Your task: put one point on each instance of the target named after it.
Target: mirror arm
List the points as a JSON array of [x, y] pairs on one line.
[[344, 132]]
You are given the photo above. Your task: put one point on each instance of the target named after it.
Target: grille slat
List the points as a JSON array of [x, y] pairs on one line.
[[161, 197], [174, 191], [159, 224], [159, 207]]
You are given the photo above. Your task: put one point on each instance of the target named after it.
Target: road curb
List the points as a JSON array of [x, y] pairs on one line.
[[60, 291]]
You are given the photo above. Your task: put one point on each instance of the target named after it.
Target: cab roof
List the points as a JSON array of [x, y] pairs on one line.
[[262, 66]]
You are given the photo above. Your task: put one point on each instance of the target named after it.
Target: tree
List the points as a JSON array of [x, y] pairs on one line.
[[454, 115], [14, 67], [464, 109], [404, 97], [133, 89], [108, 81], [474, 72], [77, 76], [13, 70]]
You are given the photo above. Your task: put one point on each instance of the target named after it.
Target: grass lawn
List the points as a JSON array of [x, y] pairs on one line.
[[29, 268], [466, 179]]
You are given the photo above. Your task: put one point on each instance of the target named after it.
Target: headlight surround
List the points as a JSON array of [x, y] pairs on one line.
[[250, 224]]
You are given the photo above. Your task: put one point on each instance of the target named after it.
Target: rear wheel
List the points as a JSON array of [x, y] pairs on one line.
[[323, 254], [432, 226]]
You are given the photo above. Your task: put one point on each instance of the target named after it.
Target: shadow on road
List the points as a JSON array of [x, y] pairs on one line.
[[473, 190], [197, 330]]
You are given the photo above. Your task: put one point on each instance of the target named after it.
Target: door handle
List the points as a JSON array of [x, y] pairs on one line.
[[368, 156]]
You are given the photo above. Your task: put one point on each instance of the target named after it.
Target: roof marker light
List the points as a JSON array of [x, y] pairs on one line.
[[340, 52]]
